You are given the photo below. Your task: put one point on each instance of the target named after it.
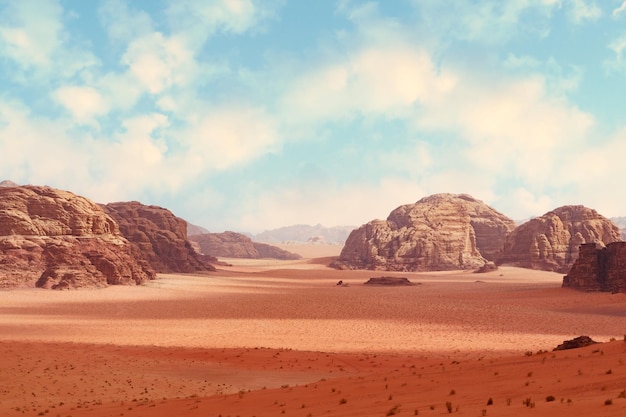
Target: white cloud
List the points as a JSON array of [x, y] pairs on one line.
[[160, 62], [83, 103], [489, 21], [617, 62], [619, 10], [199, 20], [583, 10], [375, 81], [32, 34], [122, 23], [219, 138]]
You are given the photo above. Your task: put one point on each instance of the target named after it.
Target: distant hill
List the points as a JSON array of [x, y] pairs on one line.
[[193, 230], [621, 223], [303, 233]]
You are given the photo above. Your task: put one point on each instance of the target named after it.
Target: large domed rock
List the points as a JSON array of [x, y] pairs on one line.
[[439, 232], [158, 236], [236, 245], [55, 239], [551, 242]]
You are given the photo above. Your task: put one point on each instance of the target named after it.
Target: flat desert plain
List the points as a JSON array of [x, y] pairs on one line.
[[273, 338]]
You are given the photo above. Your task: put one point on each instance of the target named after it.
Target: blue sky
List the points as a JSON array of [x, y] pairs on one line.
[[248, 115]]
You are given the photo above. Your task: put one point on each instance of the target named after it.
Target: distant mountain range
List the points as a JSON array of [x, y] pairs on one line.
[[303, 233], [621, 223]]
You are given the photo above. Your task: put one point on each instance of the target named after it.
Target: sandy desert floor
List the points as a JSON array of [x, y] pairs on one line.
[[270, 338]]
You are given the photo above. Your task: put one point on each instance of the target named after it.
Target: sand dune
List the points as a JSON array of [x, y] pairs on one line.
[[263, 337]]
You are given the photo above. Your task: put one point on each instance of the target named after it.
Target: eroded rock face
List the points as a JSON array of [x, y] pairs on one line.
[[236, 245], [55, 239], [551, 242], [158, 237], [439, 232], [599, 268]]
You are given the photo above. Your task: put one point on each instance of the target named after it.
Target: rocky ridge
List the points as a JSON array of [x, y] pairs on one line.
[[599, 268], [158, 237], [55, 239], [551, 242], [235, 245], [439, 232]]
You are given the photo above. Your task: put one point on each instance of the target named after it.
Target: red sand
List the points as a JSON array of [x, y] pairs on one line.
[[266, 338]]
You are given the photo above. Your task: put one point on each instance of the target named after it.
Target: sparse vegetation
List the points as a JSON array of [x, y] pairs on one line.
[[449, 407], [342, 401], [608, 402], [490, 401], [550, 398], [393, 411]]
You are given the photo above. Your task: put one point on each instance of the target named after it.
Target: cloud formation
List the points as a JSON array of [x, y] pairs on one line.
[[208, 109]]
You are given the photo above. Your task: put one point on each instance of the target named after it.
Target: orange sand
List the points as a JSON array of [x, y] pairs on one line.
[[269, 338]]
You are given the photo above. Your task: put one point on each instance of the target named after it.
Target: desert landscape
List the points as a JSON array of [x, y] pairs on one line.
[[269, 337]]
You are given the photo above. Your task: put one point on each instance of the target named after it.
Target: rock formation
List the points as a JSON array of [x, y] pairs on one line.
[[389, 281], [158, 237], [551, 242], [439, 232], [575, 343], [55, 239], [236, 245], [599, 268]]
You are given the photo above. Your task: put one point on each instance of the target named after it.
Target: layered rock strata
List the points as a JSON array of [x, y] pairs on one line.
[[439, 232], [551, 242], [236, 245], [599, 268], [158, 237], [55, 239]]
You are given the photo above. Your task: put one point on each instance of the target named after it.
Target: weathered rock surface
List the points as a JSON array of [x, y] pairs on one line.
[[551, 242], [390, 281], [439, 232], [575, 343], [236, 245], [599, 268], [158, 237], [55, 239]]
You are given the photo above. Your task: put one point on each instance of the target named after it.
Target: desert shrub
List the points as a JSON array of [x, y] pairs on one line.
[[608, 402], [622, 394], [490, 401], [449, 407], [393, 411], [452, 392], [342, 401], [550, 398]]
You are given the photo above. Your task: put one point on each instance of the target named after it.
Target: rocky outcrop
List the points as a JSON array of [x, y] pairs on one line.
[[439, 232], [158, 237], [390, 281], [575, 343], [236, 245], [55, 239], [599, 268], [551, 242]]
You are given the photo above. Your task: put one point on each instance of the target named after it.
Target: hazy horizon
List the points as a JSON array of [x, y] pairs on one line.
[[251, 115]]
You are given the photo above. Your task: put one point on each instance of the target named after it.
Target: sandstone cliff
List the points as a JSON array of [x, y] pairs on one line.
[[551, 242], [599, 268], [158, 237], [439, 232], [236, 245], [55, 239]]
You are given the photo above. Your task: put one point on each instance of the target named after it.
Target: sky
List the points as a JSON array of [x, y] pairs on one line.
[[249, 115]]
